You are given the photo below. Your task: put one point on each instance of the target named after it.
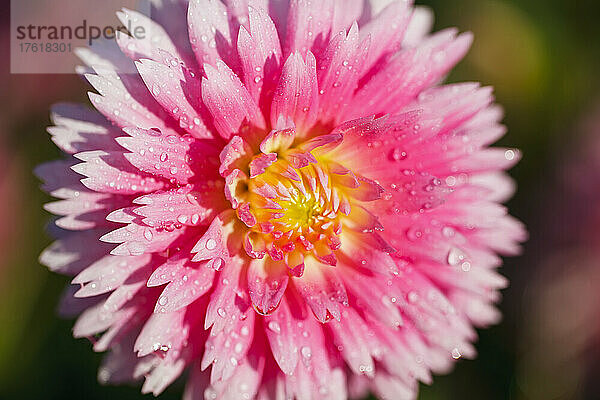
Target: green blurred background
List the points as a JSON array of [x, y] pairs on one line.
[[543, 57]]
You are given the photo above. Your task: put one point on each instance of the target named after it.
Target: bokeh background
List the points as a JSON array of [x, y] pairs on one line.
[[543, 57]]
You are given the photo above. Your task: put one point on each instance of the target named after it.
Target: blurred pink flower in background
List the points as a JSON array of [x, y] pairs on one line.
[[562, 330], [295, 201]]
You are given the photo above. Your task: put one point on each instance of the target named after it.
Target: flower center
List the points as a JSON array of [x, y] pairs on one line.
[[292, 202], [296, 215]]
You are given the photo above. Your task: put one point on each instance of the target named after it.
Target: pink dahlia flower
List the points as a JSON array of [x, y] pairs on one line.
[[283, 201]]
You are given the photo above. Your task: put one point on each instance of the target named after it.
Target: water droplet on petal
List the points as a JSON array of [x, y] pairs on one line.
[[306, 352], [217, 264], [148, 234], [455, 256], [274, 326], [398, 155], [456, 354], [238, 347]]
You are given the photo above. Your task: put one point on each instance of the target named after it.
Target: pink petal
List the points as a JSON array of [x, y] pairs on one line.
[[415, 69], [136, 239], [107, 274], [78, 128], [243, 384], [260, 54], [178, 91], [186, 206], [227, 350], [322, 290], [210, 33], [339, 73], [267, 282], [86, 211], [214, 243], [308, 26], [167, 156], [281, 331], [229, 101], [125, 100], [110, 173], [71, 254], [228, 302], [386, 31], [357, 343], [189, 283], [296, 97], [419, 26], [144, 46]]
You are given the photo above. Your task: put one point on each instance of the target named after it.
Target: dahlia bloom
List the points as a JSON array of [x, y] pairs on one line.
[[283, 201]]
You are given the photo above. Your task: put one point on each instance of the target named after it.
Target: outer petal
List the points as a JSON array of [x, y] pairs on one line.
[[78, 128], [110, 173], [229, 101], [339, 73], [125, 100], [210, 34], [309, 26], [178, 91], [414, 69], [260, 54], [297, 98], [74, 252], [281, 331], [172, 157], [386, 31], [148, 45], [186, 206]]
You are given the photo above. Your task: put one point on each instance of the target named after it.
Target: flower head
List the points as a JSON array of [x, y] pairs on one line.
[[283, 200]]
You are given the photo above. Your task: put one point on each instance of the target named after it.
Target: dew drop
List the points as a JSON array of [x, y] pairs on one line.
[[455, 256], [211, 244], [413, 297], [306, 352], [195, 219], [238, 348], [148, 234], [448, 231], [456, 353], [398, 155], [210, 394], [274, 326]]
